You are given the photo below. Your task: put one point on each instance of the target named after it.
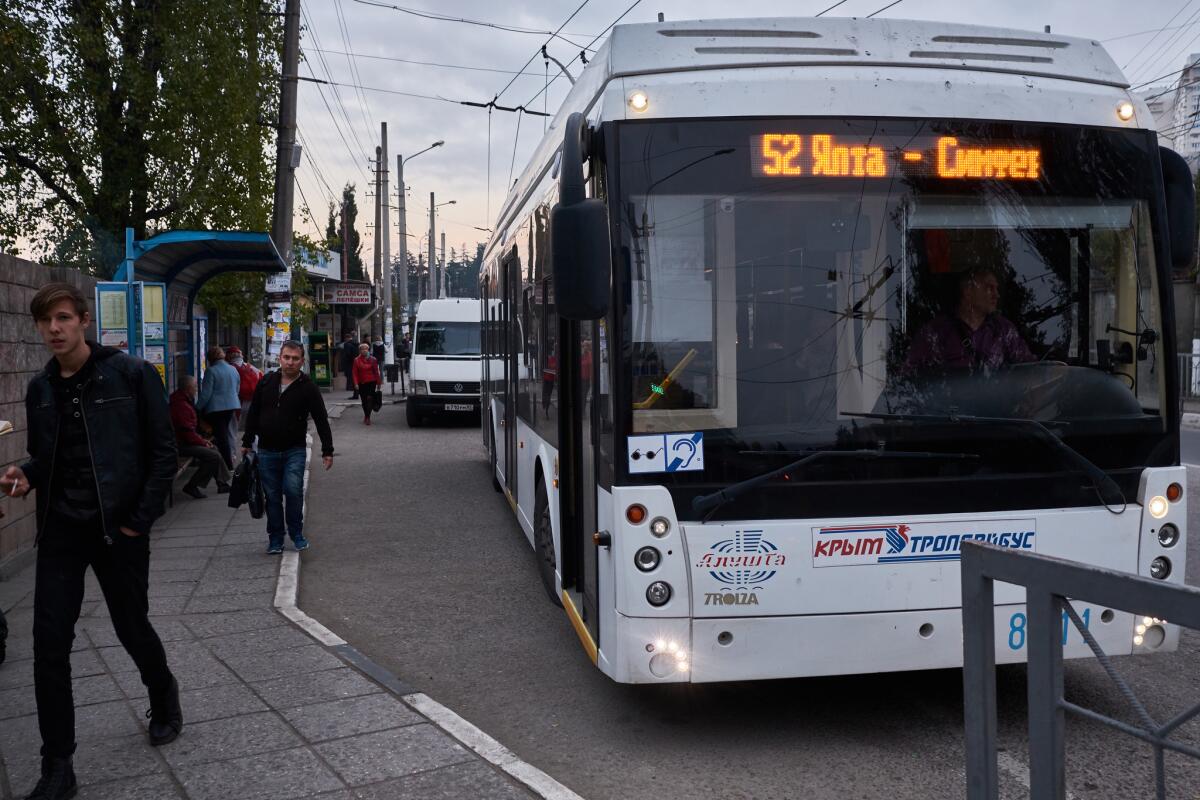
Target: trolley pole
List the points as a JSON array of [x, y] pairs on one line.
[[385, 229]]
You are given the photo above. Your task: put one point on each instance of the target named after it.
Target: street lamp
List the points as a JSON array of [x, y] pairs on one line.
[[400, 161]]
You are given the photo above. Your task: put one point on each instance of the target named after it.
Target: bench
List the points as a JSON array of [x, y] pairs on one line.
[[184, 463]]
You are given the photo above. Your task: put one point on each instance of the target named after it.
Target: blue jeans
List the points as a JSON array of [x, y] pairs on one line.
[[282, 473]]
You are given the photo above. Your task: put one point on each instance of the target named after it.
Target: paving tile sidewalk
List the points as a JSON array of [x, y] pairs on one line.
[[269, 712]]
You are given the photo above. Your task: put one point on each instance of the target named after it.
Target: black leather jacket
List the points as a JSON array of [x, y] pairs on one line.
[[129, 435]]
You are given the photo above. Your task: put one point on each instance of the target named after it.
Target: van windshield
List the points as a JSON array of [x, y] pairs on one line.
[[447, 338]]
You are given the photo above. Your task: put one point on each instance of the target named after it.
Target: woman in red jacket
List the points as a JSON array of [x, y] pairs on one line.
[[366, 378]]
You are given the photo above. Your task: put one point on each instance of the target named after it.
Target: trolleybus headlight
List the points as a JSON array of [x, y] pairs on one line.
[[1157, 506], [1125, 111], [638, 101], [659, 526], [647, 559], [1160, 568], [1168, 535], [658, 593]]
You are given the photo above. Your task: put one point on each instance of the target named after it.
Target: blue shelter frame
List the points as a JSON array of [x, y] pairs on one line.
[[183, 261]]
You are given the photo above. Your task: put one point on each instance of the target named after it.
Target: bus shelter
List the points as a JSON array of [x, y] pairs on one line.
[[148, 309]]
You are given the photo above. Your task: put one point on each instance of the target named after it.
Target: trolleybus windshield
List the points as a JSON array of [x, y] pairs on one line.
[[794, 285]]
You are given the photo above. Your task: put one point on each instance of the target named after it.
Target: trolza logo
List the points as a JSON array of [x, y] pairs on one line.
[[743, 563], [853, 545]]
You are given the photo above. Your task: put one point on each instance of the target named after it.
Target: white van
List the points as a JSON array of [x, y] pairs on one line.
[[445, 368]]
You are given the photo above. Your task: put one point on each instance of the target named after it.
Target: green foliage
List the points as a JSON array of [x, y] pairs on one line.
[[237, 297], [150, 115], [334, 228]]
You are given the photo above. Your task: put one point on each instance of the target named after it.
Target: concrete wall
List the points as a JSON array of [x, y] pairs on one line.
[[21, 356]]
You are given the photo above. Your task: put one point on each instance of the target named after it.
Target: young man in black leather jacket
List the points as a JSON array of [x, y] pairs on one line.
[[102, 457]]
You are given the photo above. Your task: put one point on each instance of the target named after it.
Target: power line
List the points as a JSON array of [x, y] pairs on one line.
[[365, 157], [885, 8], [354, 159], [353, 62], [1181, 52], [1149, 41], [419, 96], [467, 21], [1153, 63], [423, 63]]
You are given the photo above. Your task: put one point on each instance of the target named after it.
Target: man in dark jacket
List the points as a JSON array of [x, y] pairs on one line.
[[102, 457], [278, 417], [346, 356]]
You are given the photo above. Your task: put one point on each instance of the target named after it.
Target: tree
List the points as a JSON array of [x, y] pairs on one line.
[[149, 115], [335, 226]]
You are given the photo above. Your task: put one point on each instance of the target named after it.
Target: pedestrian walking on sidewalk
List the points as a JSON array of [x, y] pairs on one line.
[[219, 402], [366, 375], [191, 444], [102, 458], [346, 355], [278, 419]]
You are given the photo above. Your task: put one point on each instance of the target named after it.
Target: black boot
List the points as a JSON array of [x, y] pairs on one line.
[[57, 782], [166, 717]]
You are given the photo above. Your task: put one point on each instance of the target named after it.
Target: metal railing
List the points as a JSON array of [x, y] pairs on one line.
[[1048, 583], [1189, 376]]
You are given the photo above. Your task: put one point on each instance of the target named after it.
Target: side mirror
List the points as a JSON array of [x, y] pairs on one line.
[[1181, 208], [579, 236]]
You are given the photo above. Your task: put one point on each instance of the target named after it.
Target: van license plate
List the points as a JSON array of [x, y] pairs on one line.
[[459, 407]]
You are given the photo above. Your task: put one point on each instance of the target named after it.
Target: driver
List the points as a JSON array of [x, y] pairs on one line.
[[975, 335]]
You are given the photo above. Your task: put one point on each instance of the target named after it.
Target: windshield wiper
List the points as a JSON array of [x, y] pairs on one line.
[[1100, 479], [706, 504]]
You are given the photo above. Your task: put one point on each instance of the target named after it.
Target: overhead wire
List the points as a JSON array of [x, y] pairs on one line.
[[422, 63], [467, 21], [1164, 55], [579, 8], [364, 109], [1150, 41], [610, 26], [365, 154]]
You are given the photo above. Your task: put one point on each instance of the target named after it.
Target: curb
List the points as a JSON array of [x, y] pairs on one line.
[[1190, 420], [286, 590]]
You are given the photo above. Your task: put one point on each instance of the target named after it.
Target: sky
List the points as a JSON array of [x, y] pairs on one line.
[[339, 125]]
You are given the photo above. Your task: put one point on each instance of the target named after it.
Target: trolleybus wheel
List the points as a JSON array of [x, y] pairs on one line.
[[543, 543], [412, 416]]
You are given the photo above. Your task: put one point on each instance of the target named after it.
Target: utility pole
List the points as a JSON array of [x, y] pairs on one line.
[[421, 280], [403, 249], [385, 230], [442, 289], [281, 217], [432, 289], [378, 211]]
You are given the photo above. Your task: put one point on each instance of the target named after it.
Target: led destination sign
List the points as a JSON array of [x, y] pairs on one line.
[[822, 155]]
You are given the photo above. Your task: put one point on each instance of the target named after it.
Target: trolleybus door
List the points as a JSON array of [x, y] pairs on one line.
[[577, 432], [510, 348]]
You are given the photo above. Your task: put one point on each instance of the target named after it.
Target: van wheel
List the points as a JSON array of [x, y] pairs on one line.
[[543, 544], [492, 456], [411, 416]]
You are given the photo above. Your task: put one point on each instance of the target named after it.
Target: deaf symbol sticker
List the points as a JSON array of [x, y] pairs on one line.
[[666, 452]]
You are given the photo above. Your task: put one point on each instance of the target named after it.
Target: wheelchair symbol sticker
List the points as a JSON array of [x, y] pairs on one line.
[[672, 452]]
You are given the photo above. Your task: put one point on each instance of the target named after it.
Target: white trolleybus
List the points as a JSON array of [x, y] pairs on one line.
[[782, 311]]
